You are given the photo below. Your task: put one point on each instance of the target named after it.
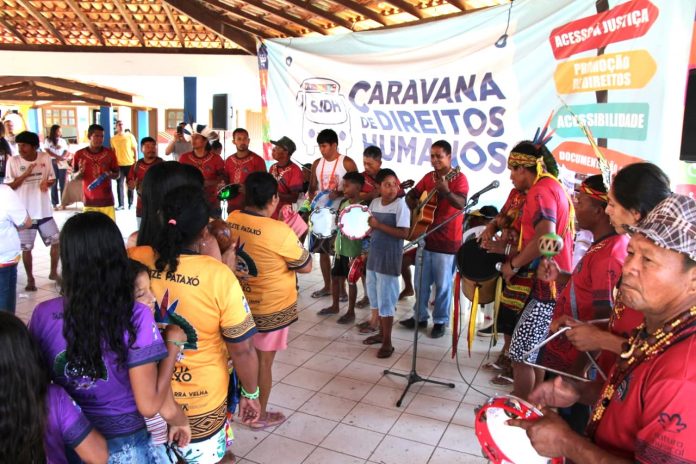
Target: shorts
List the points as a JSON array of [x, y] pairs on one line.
[[48, 230], [108, 210], [208, 451], [383, 292], [341, 266], [322, 245], [507, 320], [276, 340]]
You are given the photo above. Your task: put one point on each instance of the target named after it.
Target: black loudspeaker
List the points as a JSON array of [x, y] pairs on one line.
[[688, 144], [220, 111]]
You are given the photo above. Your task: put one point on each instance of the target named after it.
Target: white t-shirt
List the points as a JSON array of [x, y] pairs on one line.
[[59, 149], [37, 203], [12, 213]]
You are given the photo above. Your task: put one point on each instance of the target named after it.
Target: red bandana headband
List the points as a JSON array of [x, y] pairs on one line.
[[596, 194]]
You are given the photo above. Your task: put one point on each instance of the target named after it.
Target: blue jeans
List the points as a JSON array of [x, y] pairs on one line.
[[438, 269], [383, 292], [8, 288], [135, 448]]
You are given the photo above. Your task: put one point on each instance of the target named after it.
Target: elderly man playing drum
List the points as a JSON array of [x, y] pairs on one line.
[[644, 412]]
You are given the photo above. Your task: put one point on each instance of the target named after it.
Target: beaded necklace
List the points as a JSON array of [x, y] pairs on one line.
[[641, 347]]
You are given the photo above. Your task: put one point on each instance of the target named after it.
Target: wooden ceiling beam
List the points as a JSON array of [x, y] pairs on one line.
[[127, 16], [170, 16], [83, 17], [41, 19], [197, 12], [408, 8], [288, 17], [16, 87], [458, 3], [51, 94], [307, 6], [249, 17], [66, 84], [13, 30], [362, 10]]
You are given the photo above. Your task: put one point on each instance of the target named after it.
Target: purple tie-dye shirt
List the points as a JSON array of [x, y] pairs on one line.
[[65, 425], [107, 400]]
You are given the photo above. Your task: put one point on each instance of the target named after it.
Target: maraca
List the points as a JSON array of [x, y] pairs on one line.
[[221, 231], [550, 245]]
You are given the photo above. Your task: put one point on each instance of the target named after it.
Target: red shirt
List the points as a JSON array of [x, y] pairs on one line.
[[96, 164], [237, 170], [651, 417], [448, 238], [213, 169], [137, 173], [513, 208], [621, 322], [289, 179], [594, 279], [547, 200]]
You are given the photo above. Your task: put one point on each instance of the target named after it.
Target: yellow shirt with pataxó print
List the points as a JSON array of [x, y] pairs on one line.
[[268, 252], [204, 298]]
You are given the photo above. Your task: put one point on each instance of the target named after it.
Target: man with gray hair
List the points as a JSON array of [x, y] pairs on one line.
[[644, 411]]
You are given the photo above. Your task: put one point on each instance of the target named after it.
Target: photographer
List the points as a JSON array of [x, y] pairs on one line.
[[179, 145]]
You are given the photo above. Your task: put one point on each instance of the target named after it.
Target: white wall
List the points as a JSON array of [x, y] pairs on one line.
[[156, 79]]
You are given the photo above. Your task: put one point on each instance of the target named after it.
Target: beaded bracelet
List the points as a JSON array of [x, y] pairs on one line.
[[250, 396]]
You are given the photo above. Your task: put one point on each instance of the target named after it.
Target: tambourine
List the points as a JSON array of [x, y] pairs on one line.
[[357, 269], [353, 222], [322, 222], [507, 444]]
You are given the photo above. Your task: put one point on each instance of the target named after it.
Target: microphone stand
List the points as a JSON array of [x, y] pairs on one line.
[[413, 377]]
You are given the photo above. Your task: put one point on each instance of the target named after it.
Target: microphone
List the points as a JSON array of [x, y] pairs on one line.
[[493, 185]]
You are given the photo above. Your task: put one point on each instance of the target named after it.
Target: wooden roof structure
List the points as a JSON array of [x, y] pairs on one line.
[[42, 90], [201, 26]]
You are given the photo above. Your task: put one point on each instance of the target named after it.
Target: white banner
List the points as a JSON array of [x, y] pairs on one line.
[[622, 71]]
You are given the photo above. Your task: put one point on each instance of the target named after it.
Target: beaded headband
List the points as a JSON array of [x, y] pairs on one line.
[[594, 193], [522, 159]]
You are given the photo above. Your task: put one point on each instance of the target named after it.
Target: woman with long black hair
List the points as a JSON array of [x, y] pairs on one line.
[[201, 294], [103, 347], [37, 419]]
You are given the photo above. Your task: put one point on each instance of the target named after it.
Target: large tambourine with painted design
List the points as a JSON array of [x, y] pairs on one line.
[[322, 222], [506, 444]]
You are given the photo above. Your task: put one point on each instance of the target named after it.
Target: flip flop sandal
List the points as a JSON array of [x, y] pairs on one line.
[[30, 288], [343, 298], [327, 312], [501, 380], [272, 419], [320, 293], [346, 319], [368, 329], [364, 303], [373, 340], [385, 353]]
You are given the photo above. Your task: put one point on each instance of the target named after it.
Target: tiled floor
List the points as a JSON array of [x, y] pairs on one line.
[[340, 407]]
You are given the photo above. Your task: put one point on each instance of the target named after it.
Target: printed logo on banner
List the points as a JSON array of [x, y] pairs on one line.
[[323, 107]]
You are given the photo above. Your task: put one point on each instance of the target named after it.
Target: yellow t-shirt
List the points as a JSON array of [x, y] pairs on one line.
[[268, 252], [204, 298], [123, 145]]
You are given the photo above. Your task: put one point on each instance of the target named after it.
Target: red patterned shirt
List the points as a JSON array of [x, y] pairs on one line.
[[96, 164], [593, 279], [547, 200], [213, 169], [237, 170], [448, 238], [289, 179], [651, 417], [137, 173]]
